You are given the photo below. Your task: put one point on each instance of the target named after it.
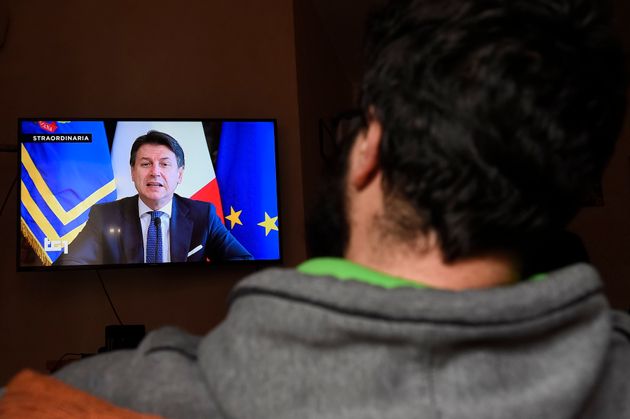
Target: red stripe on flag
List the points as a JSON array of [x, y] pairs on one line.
[[210, 193]]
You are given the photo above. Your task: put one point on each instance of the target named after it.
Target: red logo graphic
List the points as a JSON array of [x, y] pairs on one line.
[[48, 126]]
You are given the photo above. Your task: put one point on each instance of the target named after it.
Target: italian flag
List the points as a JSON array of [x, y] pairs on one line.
[[199, 181]]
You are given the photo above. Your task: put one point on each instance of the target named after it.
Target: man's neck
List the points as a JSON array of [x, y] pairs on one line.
[[143, 207], [427, 267], [374, 243]]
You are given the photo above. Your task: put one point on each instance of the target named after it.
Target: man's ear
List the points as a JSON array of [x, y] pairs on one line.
[[365, 154], [180, 174]]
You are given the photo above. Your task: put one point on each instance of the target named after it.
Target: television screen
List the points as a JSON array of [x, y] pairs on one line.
[[105, 192]]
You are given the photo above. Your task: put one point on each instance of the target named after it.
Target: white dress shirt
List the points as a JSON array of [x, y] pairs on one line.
[[165, 222]]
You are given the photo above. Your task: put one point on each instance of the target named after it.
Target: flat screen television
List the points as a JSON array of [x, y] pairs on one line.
[[83, 204]]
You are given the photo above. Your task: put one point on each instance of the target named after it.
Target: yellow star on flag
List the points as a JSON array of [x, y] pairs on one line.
[[269, 224], [234, 217]]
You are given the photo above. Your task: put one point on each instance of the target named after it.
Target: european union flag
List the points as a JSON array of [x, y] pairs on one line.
[[246, 173], [60, 182]]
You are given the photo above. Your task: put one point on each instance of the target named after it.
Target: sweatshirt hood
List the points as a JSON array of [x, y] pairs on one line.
[[296, 345]]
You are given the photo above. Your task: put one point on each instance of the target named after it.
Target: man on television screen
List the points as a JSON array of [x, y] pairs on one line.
[[156, 225], [482, 126]]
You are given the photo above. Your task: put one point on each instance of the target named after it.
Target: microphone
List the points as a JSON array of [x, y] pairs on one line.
[[158, 222]]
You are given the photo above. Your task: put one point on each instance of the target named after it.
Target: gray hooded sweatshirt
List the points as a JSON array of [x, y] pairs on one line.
[[302, 346]]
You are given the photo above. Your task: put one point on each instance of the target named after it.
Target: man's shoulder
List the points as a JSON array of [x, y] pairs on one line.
[[193, 204], [167, 340], [151, 377], [114, 207]]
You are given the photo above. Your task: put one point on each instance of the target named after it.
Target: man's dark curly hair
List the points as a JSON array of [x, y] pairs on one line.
[[498, 115]]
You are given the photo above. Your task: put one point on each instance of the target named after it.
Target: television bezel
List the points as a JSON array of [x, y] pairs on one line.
[[257, 263]]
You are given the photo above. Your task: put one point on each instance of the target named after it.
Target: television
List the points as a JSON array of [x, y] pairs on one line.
[[81, 200]]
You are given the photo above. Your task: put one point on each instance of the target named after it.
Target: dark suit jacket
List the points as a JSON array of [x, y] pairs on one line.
[[112, 235]]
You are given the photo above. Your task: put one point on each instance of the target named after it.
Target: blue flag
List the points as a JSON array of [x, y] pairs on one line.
[[60, 181], [246, 173]]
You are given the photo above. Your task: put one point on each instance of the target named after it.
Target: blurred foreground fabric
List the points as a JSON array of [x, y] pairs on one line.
[[33, 395]]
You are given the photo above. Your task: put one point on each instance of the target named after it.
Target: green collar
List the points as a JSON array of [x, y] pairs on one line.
[[343, 269]]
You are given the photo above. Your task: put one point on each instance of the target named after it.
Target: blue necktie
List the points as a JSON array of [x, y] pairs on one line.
[[154, 238]]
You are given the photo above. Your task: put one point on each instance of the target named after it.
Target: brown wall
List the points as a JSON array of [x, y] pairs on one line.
[[192, 59], [138, 59], [323, 87], [605, 230]]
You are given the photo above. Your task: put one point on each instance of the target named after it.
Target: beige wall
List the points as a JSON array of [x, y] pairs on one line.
[[138, 59]]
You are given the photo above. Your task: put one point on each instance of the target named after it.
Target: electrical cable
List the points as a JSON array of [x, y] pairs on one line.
[[58, 364], [6, 197], [8, 149], [108, 297]]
